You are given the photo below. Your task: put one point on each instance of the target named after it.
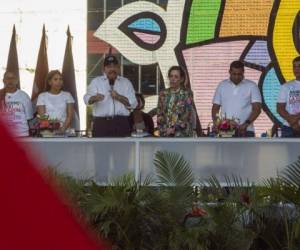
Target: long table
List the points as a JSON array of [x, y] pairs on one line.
[[254, 159]]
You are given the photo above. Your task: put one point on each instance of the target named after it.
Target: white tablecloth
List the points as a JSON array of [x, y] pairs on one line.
[[101, 158]]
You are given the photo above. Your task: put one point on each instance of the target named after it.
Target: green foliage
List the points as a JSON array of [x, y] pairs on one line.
[[172, 170], [175, 179], [171, 212]]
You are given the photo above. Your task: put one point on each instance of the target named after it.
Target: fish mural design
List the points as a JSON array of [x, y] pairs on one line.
[[204, 36]]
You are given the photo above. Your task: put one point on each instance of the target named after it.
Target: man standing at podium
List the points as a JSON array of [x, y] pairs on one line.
[[112, 97]]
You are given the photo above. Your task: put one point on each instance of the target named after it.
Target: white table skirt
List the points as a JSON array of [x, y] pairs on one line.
[[103, 158]]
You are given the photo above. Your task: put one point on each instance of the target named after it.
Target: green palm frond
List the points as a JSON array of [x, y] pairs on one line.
[[272, 190], [212, 182], [172, 169], [291, 174], [212, 188], [119, 192], [290, 178], [234, 184], [237, 182], [148, 180], [75, 188], [175, 178], [126, 180]]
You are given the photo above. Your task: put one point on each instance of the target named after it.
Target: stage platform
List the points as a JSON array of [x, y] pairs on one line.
[[104, 158]]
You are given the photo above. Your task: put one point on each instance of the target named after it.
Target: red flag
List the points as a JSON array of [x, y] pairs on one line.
[[41, 70], [68, 74], [32, 215], [12, 60]]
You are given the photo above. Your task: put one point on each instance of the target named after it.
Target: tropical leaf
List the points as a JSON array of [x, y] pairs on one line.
[[239, 215], [291, 174], [172, 169]]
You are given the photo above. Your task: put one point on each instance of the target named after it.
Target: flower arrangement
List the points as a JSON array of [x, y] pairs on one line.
[[47, 127], [226, 127]]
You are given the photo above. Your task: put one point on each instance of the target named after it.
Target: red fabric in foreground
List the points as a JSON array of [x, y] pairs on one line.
[[32, 216]]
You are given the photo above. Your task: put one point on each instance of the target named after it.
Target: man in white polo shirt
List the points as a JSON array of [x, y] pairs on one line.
[[112, 97], [288, 103], [238, 98]]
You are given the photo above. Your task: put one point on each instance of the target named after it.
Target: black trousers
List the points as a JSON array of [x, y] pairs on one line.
[[117, 126]]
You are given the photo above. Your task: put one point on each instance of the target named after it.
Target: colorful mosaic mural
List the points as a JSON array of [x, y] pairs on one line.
[[205, 36]]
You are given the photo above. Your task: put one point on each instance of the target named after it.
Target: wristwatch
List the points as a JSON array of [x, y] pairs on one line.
[[248, 122]]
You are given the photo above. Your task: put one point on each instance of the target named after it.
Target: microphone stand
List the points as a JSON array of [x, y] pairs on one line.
[[112, 83]]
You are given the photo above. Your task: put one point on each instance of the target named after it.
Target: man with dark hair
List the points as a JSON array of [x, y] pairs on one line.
[[288, 103], [238, 98], [112, 97]]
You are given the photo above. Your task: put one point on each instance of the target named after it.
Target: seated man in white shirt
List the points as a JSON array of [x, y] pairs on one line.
[[238, 98], [112, 97], [288, 103]]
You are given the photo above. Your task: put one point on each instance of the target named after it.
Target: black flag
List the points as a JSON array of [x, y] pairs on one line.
[[12, 60], [41, 70], [68, 73]]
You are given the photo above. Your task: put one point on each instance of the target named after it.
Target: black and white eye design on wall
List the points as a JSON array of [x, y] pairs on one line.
[[145, 33], [296, 32], [145, 29]]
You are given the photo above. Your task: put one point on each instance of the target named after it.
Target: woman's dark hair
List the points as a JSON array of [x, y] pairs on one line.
[[140, 96], [178, 68], [49, 76]]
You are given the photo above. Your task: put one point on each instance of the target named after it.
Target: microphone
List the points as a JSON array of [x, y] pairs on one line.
[[112, 83]]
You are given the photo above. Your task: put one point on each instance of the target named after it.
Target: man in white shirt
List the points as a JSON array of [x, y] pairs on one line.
[[17, 106], [238, 98], [288, 103], [112, 97]]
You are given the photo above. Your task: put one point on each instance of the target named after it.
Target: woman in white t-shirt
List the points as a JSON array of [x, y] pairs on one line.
[[55, 102], [16, 105]]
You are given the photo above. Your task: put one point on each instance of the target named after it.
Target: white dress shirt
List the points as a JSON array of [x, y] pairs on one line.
[[236, 100], [108, 106]]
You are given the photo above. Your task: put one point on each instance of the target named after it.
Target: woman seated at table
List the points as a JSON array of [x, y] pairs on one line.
[[140, 121], [55, 102], [175, 107]]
